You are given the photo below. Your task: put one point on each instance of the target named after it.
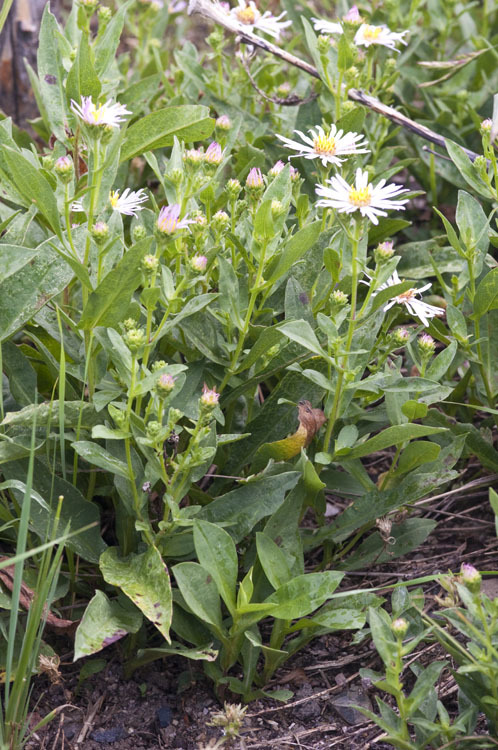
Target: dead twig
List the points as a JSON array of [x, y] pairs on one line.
[[214, 12]]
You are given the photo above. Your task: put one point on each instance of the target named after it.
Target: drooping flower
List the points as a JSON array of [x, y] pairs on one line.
[[105, 114], [362, 196], [169, 220], [251, 19], [368, 35], [415, 306], [129, 203], [328, 147]]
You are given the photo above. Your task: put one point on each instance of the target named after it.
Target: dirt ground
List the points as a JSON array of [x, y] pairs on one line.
[[168, 704]]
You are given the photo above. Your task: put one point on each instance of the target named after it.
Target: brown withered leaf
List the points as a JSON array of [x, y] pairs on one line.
[[26, 597], [310, 421]]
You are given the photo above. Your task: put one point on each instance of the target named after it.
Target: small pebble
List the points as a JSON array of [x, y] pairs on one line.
[[109, 735], [164, 716]]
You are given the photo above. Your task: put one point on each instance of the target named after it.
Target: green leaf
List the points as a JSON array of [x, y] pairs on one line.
[[392, 436], [24, 293], [200, 593], [14, 257], [294, 249], [76, 510], [217, 554], [382, 635], [241, 509], [21, 375], [108, 304], [464, 166], [456, 321], [263, 221], [75, 412], [158, 129], [51, 74], [414, 410], [145, 580], [302, 333], [486, 297], [425, 681], [474, 227], [82, 80], [303, 594], [97, 456], [415, 454], [107, 44], [33, 186], [273, 561], [104, 622], [440, 364]]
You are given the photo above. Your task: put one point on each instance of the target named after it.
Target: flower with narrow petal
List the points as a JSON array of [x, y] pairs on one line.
[[105, 114], [326, 27], [368, 35], [415, 306], [328, 147], [129, 203], [169, 220], [370, 201], [251, 19]]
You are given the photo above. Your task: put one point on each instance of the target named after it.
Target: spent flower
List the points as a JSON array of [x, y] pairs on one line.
[[329, 146], [370, 201]]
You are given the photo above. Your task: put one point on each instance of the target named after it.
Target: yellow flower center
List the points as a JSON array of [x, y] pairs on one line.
[[361, 196], [96, 114], [324, 144], [247, 15], [406, 296], [372, 33], [113, 198]]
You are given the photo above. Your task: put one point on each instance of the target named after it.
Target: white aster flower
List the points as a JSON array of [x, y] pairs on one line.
[[362, 196], [251, 19], [328, 147], [104, 114], [368, 35], [129, 203], [416, 307], [326, 27]]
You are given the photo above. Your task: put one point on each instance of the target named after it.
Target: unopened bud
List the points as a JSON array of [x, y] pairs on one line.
[[165, 384], [100, 232], [138, 233], [399, 627], [401, 336], [383, 252], [223, 122], [64, 168], [233, 188], [198, 263], [470, 577], [277, 208], [338, 298], [323, 44], [426, 345], [150, 264], [135, 338], [214, 154], [277, 168], [220, 221], [209, 399]]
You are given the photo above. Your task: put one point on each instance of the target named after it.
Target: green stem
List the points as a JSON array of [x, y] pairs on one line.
[[334, 413], [250, 308]]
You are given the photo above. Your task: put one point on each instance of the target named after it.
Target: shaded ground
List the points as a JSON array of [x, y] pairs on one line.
[[110, 713]]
